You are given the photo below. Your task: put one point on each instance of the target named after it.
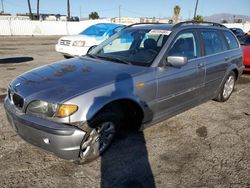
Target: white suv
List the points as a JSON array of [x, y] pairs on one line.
[[78, 45]]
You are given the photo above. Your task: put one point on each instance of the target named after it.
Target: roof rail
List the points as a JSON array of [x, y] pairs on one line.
[[198, 22], [131, 25]]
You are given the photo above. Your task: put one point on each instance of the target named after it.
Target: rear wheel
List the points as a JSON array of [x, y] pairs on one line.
[[227, 89], [100, 137]]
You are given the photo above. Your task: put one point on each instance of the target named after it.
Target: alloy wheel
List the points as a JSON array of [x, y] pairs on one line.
[[228, 86], [98, 141]]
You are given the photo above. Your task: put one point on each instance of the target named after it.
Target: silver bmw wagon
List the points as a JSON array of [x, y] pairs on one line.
[[140, 76]]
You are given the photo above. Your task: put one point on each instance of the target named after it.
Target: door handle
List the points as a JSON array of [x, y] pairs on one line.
[[200, 65], [227, 58]]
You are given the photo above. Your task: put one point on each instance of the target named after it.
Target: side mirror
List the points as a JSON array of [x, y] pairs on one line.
[[177, 61], [91, 48]]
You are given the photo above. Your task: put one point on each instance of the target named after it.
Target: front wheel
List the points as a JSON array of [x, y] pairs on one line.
[[100, 137], [227, 88]]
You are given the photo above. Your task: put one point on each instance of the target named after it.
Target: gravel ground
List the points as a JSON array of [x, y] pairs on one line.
[[207, 146]]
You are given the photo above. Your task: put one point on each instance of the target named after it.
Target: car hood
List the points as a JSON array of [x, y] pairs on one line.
[[82, 37], [63, 80]]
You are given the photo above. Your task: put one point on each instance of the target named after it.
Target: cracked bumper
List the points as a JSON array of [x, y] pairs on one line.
[[63, 140]]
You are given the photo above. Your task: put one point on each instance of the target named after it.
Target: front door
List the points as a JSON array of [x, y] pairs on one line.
[[179, 87]]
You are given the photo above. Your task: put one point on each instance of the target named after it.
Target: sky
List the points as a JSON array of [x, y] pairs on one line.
[[131, 8]]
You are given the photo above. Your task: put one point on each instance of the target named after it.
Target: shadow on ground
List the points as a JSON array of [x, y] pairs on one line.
[[244, 79], [15, 60], [126, 163]]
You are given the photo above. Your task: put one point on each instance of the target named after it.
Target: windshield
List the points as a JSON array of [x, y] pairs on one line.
[[132, 46], [98, 30]]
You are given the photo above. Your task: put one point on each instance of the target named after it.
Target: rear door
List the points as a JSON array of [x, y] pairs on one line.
[[216, 59], [179, 87]]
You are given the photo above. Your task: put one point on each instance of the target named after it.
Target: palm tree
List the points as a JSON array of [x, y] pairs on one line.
[[177, 10], [37, 9], [198, 18], [68, 10], [30, 12]]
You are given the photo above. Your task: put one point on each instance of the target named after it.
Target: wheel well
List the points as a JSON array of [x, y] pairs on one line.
[[236, 73], [129, 113]]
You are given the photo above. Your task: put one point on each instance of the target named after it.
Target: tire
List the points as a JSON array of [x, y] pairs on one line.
[[67, 57], [104, 128], [227, 88]]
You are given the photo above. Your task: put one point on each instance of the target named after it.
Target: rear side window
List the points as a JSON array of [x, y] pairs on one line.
[[213, 42], [231, 40]]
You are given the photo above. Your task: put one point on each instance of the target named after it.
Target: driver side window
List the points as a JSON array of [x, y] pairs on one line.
[[185, 45]]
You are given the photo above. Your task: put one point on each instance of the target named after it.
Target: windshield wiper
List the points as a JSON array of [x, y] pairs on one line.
[[116, 59]]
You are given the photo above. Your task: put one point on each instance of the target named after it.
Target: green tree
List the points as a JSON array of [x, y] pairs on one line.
[[170, 21], [224, 21], [199, 18], [177, 10], [93, 15]]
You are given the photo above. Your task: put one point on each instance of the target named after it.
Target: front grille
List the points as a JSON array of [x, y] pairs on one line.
[[65, 42], [17, 100]]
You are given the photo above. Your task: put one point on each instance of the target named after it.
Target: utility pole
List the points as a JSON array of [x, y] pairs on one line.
[[119, 13], [30, 12], [197, 1], [68, 10], [2, 6], [37, 9]]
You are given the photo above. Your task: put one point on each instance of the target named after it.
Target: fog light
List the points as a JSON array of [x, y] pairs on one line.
[[46, 141]]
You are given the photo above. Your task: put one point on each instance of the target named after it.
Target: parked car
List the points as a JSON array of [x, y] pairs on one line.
[[245, 45], [78, 45], [238, 32], [142, 75]]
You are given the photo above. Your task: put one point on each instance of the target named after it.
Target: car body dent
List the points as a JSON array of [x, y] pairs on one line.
[[160, 90], [93, 101]]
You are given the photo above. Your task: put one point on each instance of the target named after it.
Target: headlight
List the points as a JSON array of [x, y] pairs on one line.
[[47, 109], [79, 43], [65, 110]]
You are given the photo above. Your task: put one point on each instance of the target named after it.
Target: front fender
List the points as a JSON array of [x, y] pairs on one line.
[[92, 102]]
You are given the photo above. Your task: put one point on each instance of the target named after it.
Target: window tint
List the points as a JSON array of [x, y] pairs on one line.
[[213, 42], [231, 40], [185, 45], [114, 31], [120, 44], [160, 39], [245, 40], [237, 31]]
